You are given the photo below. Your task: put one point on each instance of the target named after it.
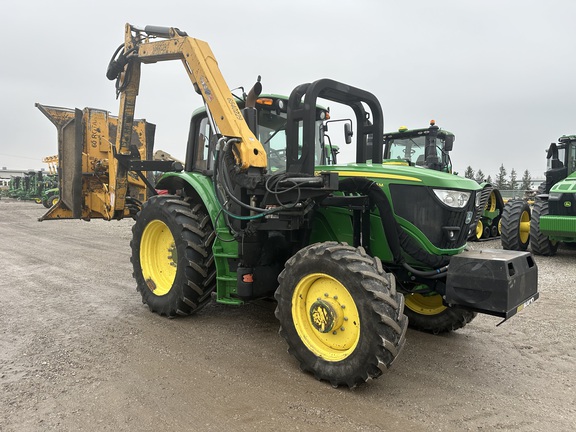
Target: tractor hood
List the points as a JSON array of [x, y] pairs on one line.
[[403, 174]]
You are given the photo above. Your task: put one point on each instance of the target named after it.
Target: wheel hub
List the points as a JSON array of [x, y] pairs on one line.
[[325, 316]]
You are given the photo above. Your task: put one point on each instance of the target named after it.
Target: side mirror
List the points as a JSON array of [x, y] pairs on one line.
[[448, 143], [348, 133]]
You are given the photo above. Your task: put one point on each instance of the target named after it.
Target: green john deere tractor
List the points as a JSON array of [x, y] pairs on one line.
[[50, 197], [352, 253], [430, 148], [552, 219]]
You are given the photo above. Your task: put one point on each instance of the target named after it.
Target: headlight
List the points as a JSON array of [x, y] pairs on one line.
[[453, 198], [478, 198]]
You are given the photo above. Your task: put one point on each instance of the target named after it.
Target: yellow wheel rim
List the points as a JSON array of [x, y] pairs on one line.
[[158, 257], [54, 201], [425, 305], [524, 227], [325, 317], [479, 230], [491, 204]]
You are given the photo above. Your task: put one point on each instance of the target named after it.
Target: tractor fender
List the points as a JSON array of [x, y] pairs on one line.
[[192, 184]]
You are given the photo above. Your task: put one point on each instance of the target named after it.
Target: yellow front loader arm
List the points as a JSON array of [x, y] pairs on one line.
[[95, 149], [202, 69]]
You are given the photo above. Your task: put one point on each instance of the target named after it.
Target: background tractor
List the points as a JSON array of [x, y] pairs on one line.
[[258, 210], [50, 193], [30, 186], [430, 148], [552, 219]]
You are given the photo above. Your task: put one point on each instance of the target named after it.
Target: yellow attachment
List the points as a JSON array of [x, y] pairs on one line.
[[203, 71], [402, 129], [52, 162], [158, 257], [325, 317], [425, 305], [86, 162]]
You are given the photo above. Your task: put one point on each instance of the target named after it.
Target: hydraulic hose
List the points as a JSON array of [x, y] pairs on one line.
[[430, 274]]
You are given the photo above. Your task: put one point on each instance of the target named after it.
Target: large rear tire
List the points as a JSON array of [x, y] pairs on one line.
[[172, 255], [539, 242], [515, 227], [340, 313], [428, 314]]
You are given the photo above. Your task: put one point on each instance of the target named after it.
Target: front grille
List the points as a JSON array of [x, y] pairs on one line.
[[484, 195], [565, 206], [419, 206]]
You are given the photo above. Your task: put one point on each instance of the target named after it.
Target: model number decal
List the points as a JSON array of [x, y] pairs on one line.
[[235, 109], [526, 304]]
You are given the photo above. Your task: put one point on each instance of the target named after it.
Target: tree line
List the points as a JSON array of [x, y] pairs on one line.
[[502, 181]]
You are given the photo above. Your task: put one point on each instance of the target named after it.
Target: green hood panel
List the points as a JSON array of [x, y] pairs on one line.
[[403, 174]]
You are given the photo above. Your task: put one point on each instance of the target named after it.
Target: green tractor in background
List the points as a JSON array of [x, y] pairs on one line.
[[50, 193], [29, 186], [552, 219], [430, 148], [50, 197]]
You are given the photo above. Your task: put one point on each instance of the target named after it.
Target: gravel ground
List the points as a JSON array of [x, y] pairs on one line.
[[79, 352]]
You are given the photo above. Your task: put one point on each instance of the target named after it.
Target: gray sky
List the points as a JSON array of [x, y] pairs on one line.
[[499, 74]]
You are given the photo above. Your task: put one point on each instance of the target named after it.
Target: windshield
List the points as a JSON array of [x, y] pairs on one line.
[[566, 156], [271, 133], [552, 162], [412, 149]]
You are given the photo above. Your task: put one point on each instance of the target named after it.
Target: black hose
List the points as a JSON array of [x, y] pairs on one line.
[[430, 274]]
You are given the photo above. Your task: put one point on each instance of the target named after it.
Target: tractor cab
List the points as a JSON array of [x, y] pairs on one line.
[[429, 147], [269, 127], [560, 162], [563, 154]]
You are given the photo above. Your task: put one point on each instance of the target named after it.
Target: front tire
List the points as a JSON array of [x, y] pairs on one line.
[[539, 242], [172, 255], [515, 228], [340, 313], [428, 314]]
